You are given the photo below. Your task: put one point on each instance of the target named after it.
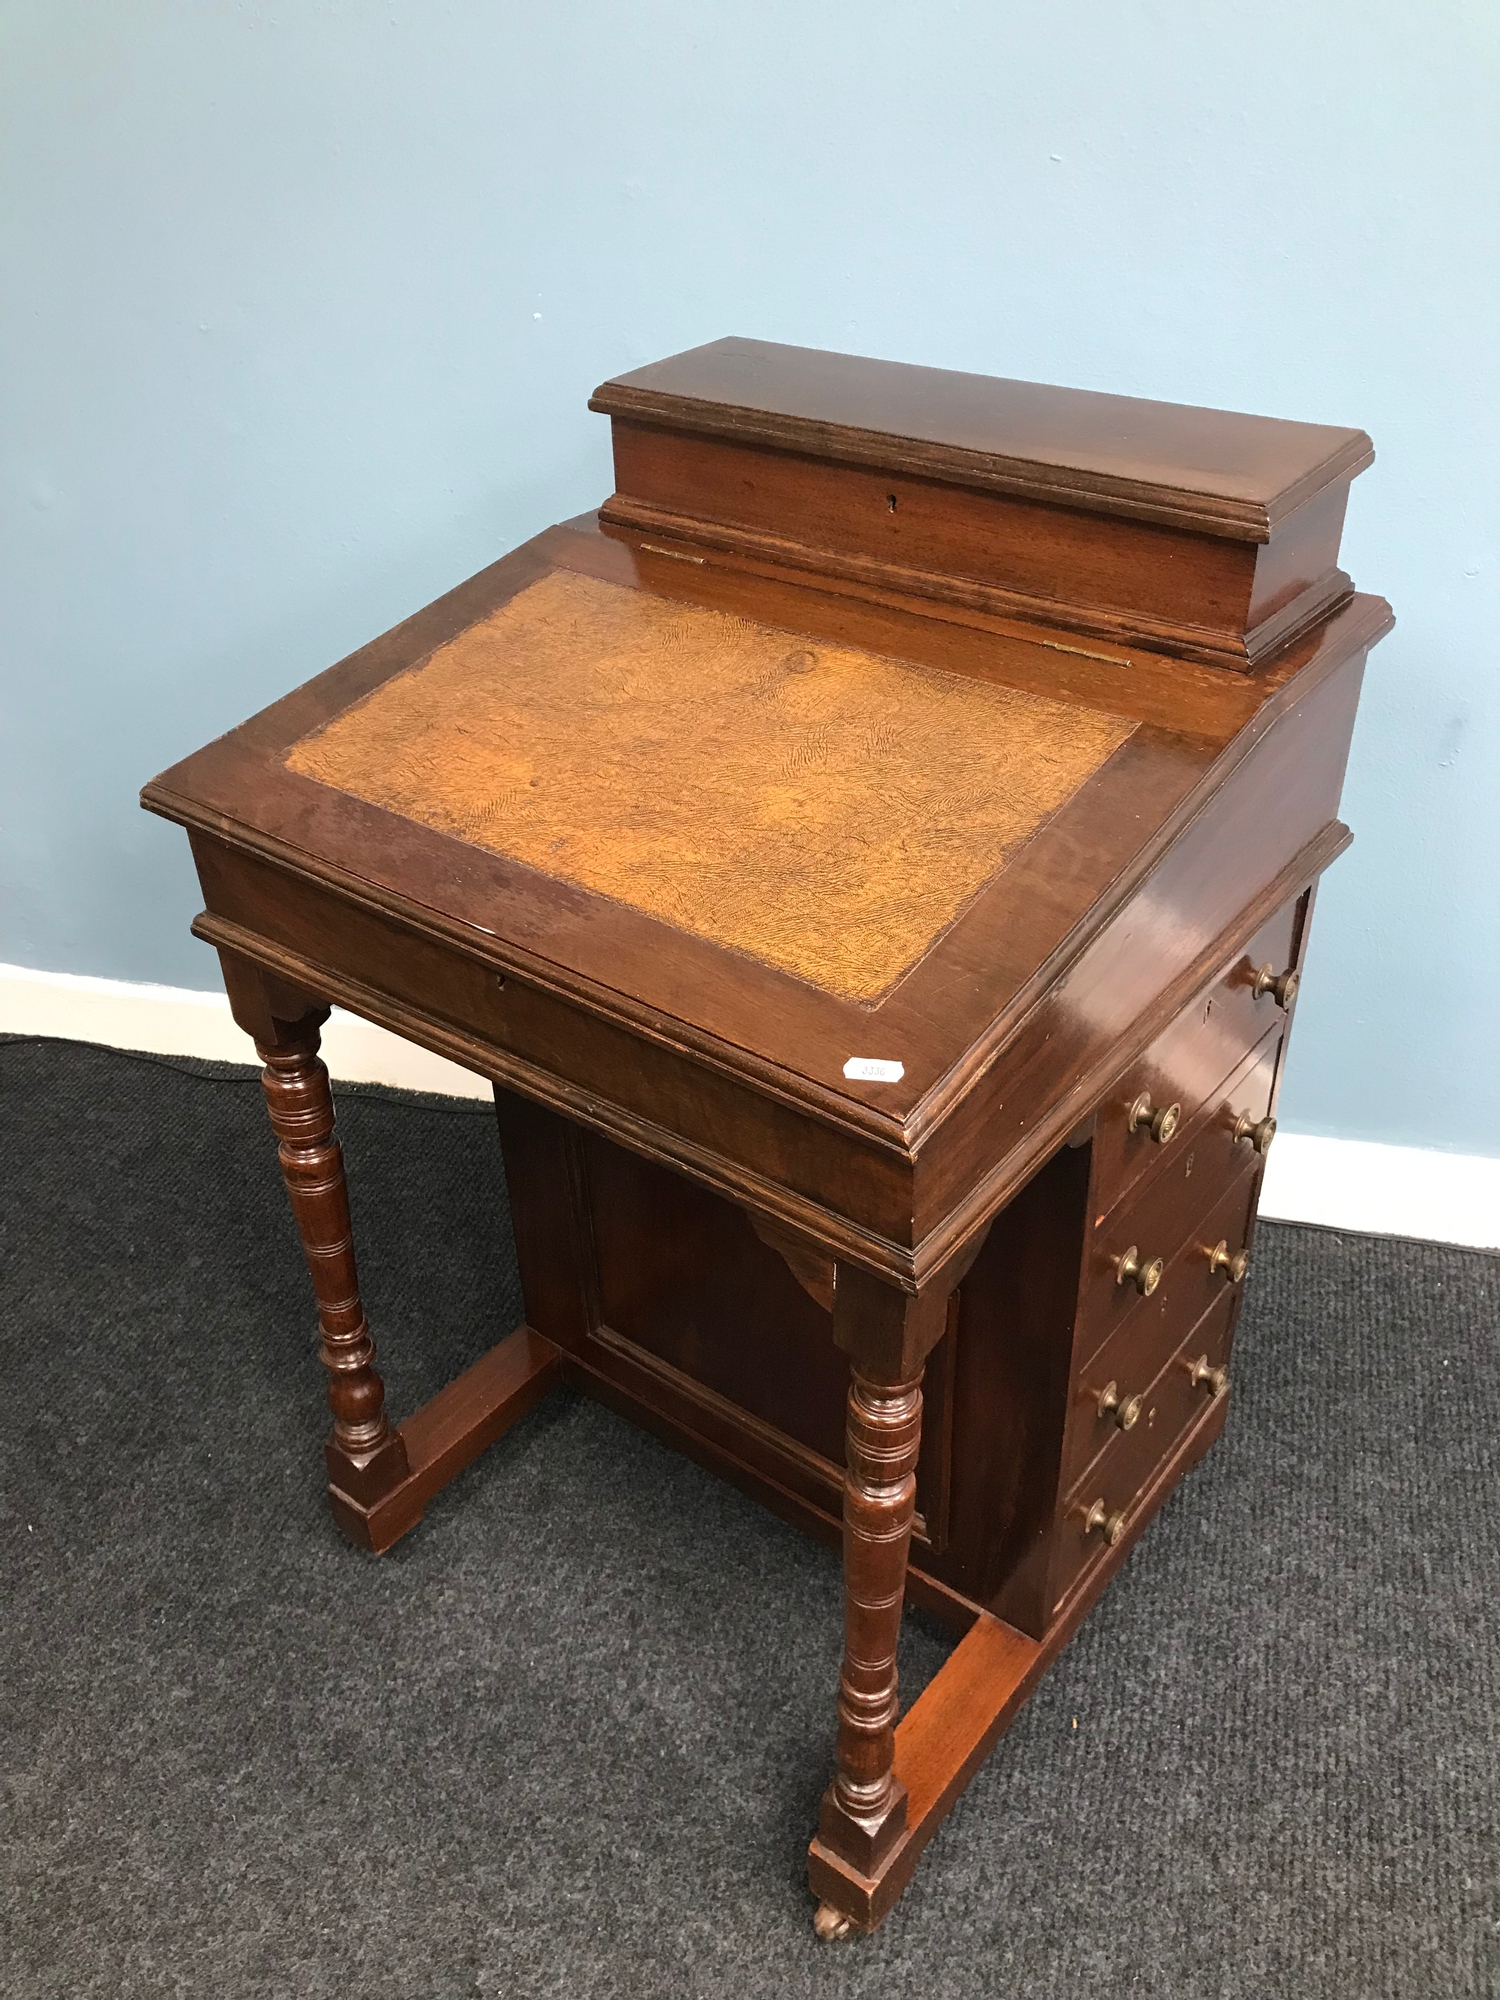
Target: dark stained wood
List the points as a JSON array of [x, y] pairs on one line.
[[1215, 469], [1010, 1374], [684, 1303], [450, 1431], [852, 1171], [1199, 533], [686, 1277], [1120, 1479], [1178, 695], [1135, 1352], [379, 1479], [720, 1011], [1207, 1145], [935, 1463], [965, 1709], [366, 1459], [720, 1234], [813, 1269], [466, 1417], [886, 1331], [864, 1809], [550, 1218], [1189, 1182], [1188, 1285], [738, 1449], [1191, 1061], [1114, 580]]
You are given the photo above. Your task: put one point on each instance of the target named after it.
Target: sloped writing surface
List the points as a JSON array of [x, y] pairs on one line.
[[823, 809]]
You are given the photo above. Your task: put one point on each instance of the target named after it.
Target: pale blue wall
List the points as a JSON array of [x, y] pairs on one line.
[[302, 303]]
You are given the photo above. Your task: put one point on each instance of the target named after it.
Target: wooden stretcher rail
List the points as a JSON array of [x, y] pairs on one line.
[[450, 1431], [966, 1708]]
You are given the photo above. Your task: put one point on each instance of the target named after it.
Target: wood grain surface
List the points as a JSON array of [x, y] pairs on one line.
[[1216, 470], [1016, 764]]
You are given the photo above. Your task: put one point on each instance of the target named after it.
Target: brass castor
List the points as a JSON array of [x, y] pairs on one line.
[[830, 1923]]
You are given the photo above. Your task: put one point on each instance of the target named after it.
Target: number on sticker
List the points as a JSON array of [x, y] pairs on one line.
[[872, 1069]]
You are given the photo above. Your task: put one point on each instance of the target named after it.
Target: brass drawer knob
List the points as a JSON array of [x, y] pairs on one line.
[[1160, 1120], [1125, 1412], [1259, 1131], [1129, 1270], [1202, 1376], [1233, 1264], [1111, 1526], [1282, 986]]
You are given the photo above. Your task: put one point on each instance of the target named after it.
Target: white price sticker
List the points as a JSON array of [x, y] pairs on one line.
[[870, 1069]]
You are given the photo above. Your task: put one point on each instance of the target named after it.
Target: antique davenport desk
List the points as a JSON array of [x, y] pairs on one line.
[[873, 859]]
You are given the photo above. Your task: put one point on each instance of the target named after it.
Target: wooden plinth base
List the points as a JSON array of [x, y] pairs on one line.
[[450, 1432]]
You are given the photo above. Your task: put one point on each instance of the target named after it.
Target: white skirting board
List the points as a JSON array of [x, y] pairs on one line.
[[1341, 1183], [173, 1021]]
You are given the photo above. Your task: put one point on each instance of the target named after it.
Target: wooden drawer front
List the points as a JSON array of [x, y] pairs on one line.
[[1111, 1485], [1202, 1164], [1186, 1063], [1147, 1337]]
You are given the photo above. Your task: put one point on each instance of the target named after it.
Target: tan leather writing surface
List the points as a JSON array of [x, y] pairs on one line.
[[825, 810]]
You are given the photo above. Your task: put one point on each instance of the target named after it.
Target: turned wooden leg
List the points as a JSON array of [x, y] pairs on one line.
[[858, 1857], [379, 1479], [366, 1458], [864, 1809]]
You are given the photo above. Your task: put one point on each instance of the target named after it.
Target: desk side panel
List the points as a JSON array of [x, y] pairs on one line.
[[1274, 806]]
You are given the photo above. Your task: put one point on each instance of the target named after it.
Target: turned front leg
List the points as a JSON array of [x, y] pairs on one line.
[[864, 1810], [887, 1334], [366, 1458]]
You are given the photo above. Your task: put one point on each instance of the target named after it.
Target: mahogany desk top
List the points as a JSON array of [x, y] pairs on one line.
[[818, 847]]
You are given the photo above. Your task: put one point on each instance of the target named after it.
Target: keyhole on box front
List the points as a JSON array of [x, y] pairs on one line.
[[890, 502]]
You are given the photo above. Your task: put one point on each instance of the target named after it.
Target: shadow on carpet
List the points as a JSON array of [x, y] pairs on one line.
[[569, 1736]]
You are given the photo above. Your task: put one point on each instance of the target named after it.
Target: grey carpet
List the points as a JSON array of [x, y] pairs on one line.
[[568, 1738]]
